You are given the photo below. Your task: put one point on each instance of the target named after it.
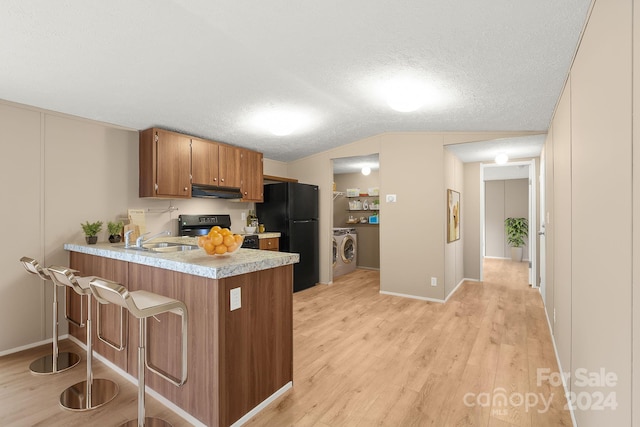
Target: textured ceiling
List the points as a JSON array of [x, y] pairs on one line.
[[205, 67], [522, 147]]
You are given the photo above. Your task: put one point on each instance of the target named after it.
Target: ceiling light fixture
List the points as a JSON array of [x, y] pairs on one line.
[[280, 122], [502, 158], [366, 170], [407, 93]]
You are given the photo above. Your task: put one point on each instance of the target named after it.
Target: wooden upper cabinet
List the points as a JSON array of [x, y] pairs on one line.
[[229, 161], [165, 164], [215, 164], [252, 178], [204, 162]]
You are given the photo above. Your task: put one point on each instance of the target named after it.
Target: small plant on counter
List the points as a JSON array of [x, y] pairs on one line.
[[115, 230], [91, 229]]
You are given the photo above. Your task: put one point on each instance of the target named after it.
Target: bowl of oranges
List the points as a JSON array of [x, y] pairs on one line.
[[220, 241]]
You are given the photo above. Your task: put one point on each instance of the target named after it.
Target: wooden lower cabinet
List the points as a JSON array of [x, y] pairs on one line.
[[270, 244], [236, 359]]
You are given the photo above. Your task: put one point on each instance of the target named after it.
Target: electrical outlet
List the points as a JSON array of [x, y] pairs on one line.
[[243, 216], [235, 299], [434, 281]]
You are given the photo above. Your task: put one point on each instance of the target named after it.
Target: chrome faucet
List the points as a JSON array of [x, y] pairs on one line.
[[140, 240]]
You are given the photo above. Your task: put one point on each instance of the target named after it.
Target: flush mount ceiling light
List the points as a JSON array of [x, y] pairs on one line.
[[406, 94], [280, 122], [366, 170], [502, 158]]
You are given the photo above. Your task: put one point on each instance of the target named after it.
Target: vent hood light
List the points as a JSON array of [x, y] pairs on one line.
[[366, 170]]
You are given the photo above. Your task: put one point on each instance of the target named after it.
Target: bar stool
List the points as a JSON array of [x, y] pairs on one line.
[[90, 393], [142, 305], [56, 361]]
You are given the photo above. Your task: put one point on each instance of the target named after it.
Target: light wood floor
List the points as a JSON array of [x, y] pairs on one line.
[[364, 359], [32, 400]]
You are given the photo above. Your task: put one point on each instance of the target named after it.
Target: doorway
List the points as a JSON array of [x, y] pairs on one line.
[[525, 172], [356, 211]]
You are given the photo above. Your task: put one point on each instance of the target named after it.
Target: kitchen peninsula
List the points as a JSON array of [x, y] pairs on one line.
[[236, 358]]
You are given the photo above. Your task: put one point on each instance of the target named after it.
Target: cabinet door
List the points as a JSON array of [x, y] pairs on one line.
[[252, 176], [204, 162], [173, 152], [270, 244], [229, 166]]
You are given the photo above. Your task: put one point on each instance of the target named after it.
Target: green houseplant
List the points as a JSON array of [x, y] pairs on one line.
[[517, 229], [91, 229], [115, 229]]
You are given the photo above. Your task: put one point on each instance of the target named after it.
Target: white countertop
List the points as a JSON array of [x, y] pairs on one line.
[[195, 262]]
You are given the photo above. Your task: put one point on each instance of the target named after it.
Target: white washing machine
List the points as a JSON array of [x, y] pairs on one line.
[[345, 250]]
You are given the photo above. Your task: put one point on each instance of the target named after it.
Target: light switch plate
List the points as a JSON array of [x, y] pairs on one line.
[[235, 298], [391, 198]]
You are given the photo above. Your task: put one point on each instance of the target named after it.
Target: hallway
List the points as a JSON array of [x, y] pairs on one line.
[[362, 358]]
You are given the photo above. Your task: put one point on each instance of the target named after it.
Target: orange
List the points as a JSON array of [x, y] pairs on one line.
[[232, 248], [225, 232], [238, 238], [216, 228], [229, 240], [216, 238], [202, 240], [209, 247], [221, 249]]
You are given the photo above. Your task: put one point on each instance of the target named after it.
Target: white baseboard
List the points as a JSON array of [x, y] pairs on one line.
[[133, 380], [29, 346], [555, 351], [457, 286], [263, 405], [396, 294]]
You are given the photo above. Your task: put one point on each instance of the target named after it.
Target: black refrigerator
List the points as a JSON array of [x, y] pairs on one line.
[[292, 209]]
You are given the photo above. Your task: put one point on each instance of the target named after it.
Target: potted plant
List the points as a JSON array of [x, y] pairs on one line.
[[91, 229], [517, 229], [115, 229]]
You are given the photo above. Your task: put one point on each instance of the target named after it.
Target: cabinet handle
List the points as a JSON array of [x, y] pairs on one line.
[[221, 179], [215, 179], [245, 193], [186, 188]]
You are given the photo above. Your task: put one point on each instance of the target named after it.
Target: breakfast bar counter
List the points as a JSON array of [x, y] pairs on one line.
[[238, 357]]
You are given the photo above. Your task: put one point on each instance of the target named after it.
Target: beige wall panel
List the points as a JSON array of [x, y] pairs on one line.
[[601, 207], [25, 300], [459, 180], [471, 223], [412, 228], [450, 249], [560, 229], [494, 236], [547, 158], [463, 137], [636, 216], [274, 168]]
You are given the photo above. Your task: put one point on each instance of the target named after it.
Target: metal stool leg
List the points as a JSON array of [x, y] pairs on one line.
[[143, 421], [91, 393], [56, 361]]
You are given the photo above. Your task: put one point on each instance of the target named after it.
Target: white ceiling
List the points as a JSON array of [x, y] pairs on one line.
[[205, 67], [486, 151]]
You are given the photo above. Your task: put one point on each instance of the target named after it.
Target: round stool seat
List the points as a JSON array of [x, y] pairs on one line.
[[56, 361]]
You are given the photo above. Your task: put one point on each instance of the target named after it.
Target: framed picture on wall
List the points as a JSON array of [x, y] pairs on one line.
[[453, 216]]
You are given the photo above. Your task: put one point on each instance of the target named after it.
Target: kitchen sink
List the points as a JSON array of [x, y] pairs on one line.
[[162, 247]]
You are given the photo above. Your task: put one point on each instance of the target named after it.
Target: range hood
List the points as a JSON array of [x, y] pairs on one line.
[[211, 192]]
